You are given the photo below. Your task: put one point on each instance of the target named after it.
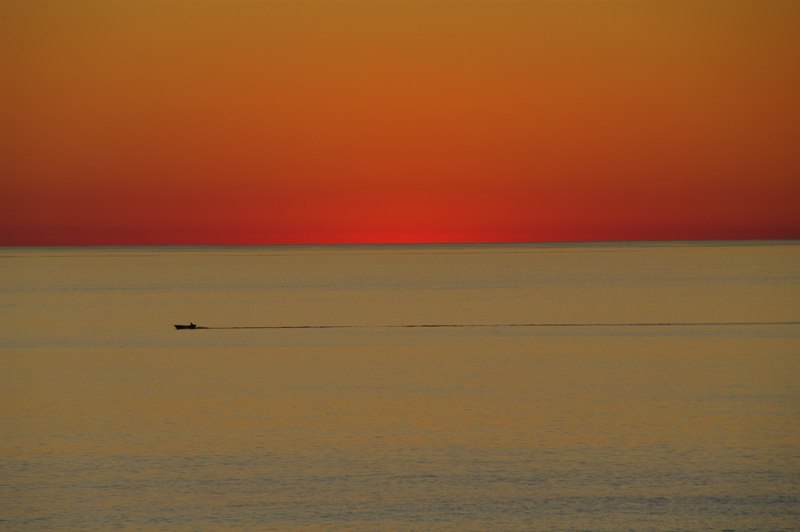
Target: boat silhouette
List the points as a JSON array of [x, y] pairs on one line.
[[190, 326]]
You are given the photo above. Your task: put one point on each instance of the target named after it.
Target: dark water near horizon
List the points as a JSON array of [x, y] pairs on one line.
[[613, 386]]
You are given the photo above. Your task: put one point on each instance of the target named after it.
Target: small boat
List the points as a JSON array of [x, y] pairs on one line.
[[190, 326]]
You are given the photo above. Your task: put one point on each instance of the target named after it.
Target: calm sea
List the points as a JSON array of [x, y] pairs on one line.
[[596, 387]]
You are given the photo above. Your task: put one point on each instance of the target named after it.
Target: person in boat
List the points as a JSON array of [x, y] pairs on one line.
[[192, 325]]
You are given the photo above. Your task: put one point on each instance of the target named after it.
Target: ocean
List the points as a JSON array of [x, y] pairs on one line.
[[503, 387]]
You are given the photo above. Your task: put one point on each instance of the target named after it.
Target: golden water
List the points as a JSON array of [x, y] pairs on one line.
[[113, 420]]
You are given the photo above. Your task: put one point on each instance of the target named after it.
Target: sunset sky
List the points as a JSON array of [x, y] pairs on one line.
[[328, 121]]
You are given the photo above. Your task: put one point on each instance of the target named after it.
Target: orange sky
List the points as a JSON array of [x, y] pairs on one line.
[[327, 121]]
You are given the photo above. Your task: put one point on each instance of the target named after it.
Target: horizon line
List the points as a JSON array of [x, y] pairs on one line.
[[329, 244]]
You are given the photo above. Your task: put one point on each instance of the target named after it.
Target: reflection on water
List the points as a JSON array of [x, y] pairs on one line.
[[111, 419]]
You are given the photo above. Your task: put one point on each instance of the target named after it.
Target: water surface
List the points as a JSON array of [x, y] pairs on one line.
[[113, 420]]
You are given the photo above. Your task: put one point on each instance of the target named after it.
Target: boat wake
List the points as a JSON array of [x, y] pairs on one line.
[[475, 325]]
